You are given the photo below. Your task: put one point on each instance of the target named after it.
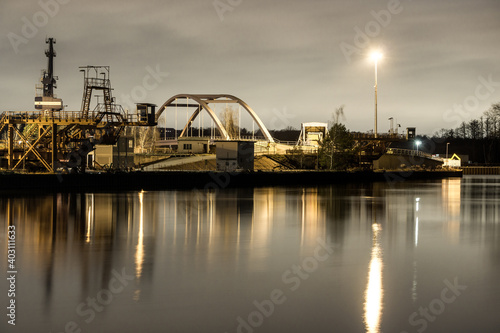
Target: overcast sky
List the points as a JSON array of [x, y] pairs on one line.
[[292, 61]]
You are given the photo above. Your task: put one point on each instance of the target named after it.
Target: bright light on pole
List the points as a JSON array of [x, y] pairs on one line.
[[417, 143], [376, 56]]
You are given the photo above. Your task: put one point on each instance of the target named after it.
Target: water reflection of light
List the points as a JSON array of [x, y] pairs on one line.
[[416, 220], [451, 195], [139, 253], [262, 218], [374, 289], [451, 192], [312, 218], [210, 212], [414, 294], [90, 220], [198, 225]]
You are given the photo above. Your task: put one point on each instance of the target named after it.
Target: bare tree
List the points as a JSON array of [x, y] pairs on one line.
[[474, 129], [338, 114], [145, 138], [461, 131], [492, 119], [229, 119]]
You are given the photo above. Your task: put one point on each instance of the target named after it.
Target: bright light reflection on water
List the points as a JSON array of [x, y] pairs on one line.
[[374, 290]]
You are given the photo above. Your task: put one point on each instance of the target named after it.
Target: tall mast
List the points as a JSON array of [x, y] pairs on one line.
[[48, 80], [45, 98]]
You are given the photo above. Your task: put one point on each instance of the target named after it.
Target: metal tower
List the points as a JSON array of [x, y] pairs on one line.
[[48, 79], [45, 98]]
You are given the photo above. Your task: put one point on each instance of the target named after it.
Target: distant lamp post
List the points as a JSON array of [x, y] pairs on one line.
[[418, 143], [447, 144], [376, 56]]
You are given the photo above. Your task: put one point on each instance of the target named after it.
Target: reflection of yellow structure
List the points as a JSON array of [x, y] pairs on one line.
[[374, 289], [89, 228], [99, 219], [313, 218], [451, 195], [139, 253], [262, 225]]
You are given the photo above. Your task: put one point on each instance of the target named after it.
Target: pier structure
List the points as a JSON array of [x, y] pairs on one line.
[[49, 138]]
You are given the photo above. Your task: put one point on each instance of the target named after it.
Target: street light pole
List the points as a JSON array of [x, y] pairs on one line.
[[447, 143], [375, 128], [376, 56]]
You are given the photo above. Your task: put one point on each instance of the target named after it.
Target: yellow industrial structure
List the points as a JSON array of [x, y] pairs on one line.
[[52, 137]]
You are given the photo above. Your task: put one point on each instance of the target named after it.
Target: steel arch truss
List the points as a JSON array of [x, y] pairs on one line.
[[202, 102]]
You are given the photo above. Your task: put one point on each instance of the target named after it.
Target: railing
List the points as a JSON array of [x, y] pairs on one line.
[[410, 152], [26, 116], [98, 83], [358, 135], [287, 143], [217, 138], [40, 115]]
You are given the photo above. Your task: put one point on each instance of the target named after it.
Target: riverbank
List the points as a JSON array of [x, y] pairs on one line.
[[164, 180]]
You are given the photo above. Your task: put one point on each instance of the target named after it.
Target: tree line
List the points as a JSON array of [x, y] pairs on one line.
[[487, 126]]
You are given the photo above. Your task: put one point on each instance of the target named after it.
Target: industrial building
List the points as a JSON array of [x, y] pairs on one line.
[[193, 145], [234, 155], [117, 156], [311, 134]]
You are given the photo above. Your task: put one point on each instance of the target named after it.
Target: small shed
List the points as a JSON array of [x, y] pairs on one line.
[[193, 145], [454, 162], [234, 155], [411, 132], [117, 156]]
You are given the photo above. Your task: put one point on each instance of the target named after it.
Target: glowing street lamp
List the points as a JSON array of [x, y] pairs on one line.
[[376, 56], [417, 143]]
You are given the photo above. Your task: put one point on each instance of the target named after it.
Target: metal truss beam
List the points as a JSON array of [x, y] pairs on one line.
[[32, 148]]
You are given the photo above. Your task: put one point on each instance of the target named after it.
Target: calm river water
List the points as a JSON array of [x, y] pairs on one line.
[[381, 257]]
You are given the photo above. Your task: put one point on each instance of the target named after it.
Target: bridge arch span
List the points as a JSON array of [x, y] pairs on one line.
[[203, 103]]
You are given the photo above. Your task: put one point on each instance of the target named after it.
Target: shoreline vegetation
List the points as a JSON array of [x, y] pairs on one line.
[[211, 180]]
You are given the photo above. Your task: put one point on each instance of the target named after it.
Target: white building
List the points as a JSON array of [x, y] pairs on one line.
[[312, 133]]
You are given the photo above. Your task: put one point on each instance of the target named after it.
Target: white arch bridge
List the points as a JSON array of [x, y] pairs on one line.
[[200, 103]]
